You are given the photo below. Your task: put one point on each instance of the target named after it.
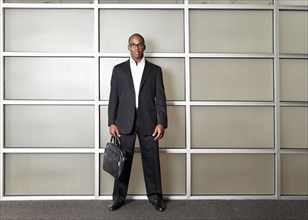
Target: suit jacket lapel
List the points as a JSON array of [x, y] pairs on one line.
[[146, 72], [129, 76]]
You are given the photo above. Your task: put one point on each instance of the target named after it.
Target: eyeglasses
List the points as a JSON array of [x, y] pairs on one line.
[[140, 45]]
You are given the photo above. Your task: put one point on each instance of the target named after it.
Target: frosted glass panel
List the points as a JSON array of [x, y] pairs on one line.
[[293, 32], [174, 77], [230, 31], [232, 79], [293, 80], [104, 129], [175, 136], [48, 1], [235, 174], [116, 27], [232, 127], [49, 30], [173, 74], [49, 126], [172, 174], [173, 171], [294, 127], [294, 174], [293, 2], [142, 1], [106, 67], [49, 78], [253, 2], [49, 174]]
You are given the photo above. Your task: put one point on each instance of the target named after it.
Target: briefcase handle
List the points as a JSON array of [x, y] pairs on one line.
[[115, 139]]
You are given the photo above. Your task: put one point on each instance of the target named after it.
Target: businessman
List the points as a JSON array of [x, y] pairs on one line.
[[137, 107]]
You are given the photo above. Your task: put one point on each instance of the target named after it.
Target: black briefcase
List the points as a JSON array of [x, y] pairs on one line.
[[114, 157]]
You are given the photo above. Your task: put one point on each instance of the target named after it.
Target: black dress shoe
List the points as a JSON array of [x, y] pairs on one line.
[[159, 205], [115, 206]]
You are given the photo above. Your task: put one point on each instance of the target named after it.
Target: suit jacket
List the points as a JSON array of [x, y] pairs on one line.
[[152, 108]]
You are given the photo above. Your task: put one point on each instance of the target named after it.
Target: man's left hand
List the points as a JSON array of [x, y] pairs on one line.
[[158, 132]]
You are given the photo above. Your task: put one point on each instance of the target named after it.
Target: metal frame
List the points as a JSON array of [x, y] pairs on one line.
[[188, 151], [1, 103]]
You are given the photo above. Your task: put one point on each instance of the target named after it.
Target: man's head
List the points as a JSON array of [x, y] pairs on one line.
[[136, 47]]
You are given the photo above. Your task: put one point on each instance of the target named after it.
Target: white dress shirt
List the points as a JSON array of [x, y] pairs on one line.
[[137, 71]]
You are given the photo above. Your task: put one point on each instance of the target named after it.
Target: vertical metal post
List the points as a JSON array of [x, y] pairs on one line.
[[277, 99], [187, 99], [96, 105], [1, 102]]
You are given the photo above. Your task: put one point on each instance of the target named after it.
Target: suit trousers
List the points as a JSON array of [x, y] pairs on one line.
[[150, 164]]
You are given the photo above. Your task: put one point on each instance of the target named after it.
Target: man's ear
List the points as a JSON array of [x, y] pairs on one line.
[[145, 47]]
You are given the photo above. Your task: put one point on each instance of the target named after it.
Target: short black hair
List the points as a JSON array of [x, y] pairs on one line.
[[134, 35]]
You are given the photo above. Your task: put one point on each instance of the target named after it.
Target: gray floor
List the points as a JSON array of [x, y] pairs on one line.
[[141, 209]]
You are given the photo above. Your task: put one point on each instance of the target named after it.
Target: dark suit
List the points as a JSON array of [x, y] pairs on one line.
[[142, 122]]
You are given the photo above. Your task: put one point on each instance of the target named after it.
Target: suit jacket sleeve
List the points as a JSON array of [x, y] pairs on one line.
[[113, 99], [161, 107]]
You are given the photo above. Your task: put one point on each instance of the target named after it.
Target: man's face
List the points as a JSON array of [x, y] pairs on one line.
[[136, 48]]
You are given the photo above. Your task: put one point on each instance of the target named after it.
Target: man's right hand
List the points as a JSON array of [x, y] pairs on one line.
[[113, 130]]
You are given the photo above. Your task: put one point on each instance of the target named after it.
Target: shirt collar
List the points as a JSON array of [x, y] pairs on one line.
[[134, 63]]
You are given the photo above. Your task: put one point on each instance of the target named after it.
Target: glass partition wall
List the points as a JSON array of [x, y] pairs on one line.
[[236, 81]]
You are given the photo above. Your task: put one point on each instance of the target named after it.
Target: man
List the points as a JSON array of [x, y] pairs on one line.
[[137, 106]]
